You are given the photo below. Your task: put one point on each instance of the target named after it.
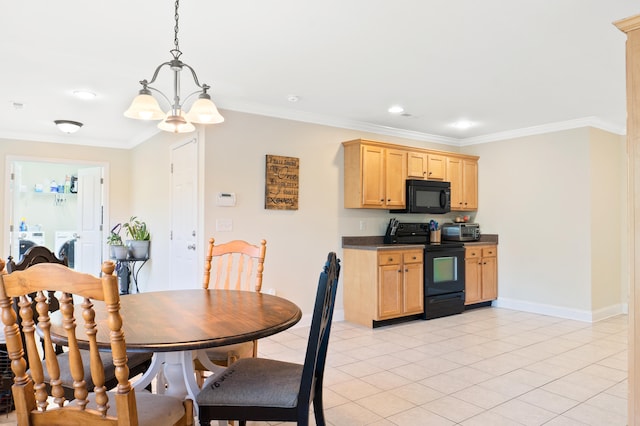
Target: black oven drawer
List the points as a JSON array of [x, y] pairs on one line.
[[443, 305]]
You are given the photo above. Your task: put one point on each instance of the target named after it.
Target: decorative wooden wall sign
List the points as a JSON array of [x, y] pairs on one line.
[[281, 189]]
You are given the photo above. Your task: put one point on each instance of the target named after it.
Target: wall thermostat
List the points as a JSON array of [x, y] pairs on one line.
[[226, 199]]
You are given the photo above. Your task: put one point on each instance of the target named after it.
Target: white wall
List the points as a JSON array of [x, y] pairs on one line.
[[538, 193], [234, 155], [608, 220], [535, 192]]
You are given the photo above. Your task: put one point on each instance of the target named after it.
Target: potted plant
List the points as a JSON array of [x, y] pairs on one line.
[[138, 244], [117, 250]]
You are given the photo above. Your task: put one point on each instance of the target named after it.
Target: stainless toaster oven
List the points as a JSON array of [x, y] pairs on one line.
[[461, 231]]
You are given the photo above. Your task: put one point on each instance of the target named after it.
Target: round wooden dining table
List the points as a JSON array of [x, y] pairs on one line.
[[177, 324]]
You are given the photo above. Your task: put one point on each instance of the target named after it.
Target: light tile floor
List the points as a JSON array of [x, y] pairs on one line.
[[487, 366]]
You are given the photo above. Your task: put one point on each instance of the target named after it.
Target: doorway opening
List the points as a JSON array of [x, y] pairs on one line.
[[58, 204]]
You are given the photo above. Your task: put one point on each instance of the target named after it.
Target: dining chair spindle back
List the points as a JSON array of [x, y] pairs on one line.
[[235, 265], [138, 362], [35, 402]]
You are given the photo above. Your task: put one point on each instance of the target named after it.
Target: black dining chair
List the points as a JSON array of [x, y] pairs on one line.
[[262, 389]]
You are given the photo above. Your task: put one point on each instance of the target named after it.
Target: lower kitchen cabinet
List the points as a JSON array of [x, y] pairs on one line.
[[381, 285], [481, 273]]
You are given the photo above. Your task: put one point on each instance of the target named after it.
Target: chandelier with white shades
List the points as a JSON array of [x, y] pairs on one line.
[[145, 106]]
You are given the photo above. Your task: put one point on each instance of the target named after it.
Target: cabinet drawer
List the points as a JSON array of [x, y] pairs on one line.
[[412, 257], [471, 252], [489, 252], [389, 258]]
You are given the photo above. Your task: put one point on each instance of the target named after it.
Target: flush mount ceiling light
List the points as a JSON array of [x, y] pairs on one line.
[[68, 126], [145, 106], [396, 109]]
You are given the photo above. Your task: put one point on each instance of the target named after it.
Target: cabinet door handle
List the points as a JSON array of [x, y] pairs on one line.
[[406, 270]]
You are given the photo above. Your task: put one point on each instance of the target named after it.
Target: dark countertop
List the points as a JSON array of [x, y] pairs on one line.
[[377, 243]]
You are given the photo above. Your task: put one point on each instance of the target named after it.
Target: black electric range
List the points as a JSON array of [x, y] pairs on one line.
[[444, 274]]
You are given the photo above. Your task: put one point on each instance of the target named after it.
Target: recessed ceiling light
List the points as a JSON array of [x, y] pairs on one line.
[[293, 98], [84, 94], [463, 124], [396, 109]]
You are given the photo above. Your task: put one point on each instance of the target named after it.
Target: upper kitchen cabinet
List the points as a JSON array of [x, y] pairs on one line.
[[463, 175], [374, 175], [421, 165]]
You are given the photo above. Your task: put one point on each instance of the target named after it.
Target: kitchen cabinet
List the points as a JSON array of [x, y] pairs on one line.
[[374, 176], [463, 175], [481, 273], [382, 284], [421, 165]]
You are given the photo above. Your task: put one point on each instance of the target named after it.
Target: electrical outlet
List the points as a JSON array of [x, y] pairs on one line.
[[224, 225], [363, 225]]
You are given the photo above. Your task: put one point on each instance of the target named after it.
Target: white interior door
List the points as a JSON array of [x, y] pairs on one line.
[[184, 218], [88, 247]]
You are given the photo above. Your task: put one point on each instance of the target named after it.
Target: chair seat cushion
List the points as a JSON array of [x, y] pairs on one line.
[[254, 382], [134, 358], [153, 409], [239, 350]]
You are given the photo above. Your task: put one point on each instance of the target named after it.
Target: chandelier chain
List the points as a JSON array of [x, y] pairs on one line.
[[176, 28]]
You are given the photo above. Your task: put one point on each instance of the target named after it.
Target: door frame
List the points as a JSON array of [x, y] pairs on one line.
[[8, 199]]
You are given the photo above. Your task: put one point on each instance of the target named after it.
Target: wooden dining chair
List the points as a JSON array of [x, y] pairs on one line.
[[236, 265], [35, 405], [261, 389], [138, 362]]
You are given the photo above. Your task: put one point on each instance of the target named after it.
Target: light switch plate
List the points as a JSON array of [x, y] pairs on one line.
[[224, 225]]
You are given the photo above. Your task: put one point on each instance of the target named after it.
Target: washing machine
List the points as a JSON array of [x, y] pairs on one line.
[[28, 239], [65, 242]]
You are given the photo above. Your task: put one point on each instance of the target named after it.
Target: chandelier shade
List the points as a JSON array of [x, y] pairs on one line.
[[146, 107], [204, 111], [176, 123]]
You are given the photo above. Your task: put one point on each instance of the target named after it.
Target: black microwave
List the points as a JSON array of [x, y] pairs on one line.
[[427, 196]]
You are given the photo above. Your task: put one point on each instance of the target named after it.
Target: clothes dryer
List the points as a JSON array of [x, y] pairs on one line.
[[65, 242]]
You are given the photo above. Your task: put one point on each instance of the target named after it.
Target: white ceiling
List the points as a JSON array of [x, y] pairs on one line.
[[508, 65]]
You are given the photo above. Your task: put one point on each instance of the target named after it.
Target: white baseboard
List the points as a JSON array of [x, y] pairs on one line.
[[560, 311]]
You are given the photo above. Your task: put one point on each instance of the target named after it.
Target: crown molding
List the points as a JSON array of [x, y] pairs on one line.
[[65, 139], [306, 117], [546, 128], [325, 120]]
